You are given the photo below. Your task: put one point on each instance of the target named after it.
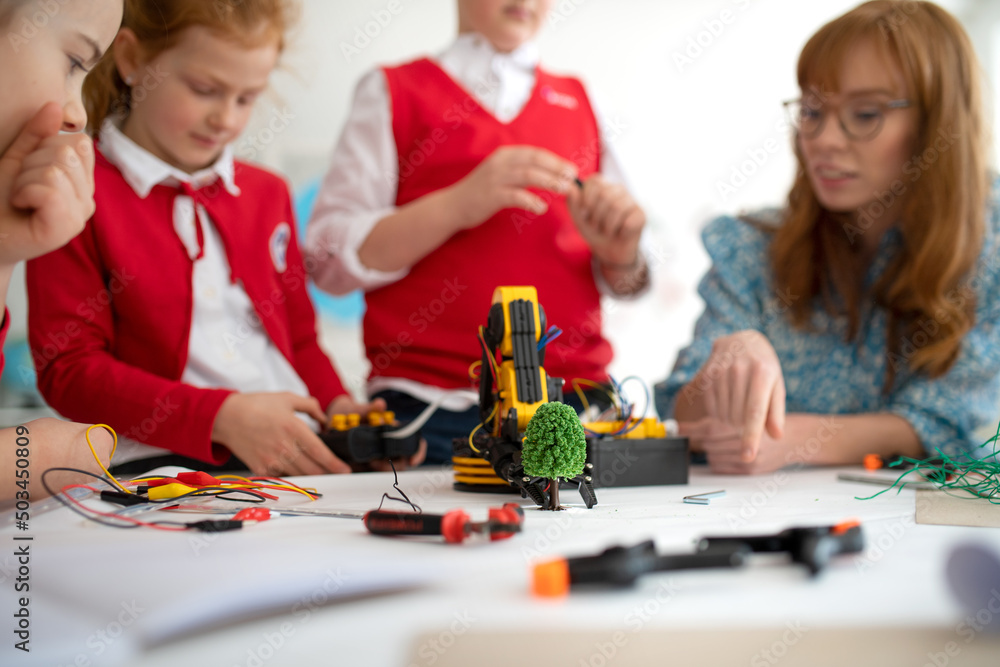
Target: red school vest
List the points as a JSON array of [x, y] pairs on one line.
[[424, 327]]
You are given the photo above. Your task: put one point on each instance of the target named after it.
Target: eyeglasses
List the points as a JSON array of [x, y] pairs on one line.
[[860, 120]]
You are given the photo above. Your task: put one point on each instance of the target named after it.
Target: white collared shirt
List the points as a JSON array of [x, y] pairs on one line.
[[227, 346], [359, 189]]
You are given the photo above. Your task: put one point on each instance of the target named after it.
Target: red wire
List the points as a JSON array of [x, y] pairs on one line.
[[282, 481], [275, 487], [487, 350], [256, 490]]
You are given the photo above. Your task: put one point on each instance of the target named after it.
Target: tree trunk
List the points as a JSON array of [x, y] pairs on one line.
[[554, 494]]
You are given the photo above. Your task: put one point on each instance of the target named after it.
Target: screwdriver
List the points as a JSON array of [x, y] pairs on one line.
[[455, 526]]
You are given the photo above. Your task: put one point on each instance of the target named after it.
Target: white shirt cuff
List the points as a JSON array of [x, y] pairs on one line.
[[336, 267]]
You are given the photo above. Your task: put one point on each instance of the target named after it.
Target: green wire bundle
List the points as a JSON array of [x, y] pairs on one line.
[[976, 476]]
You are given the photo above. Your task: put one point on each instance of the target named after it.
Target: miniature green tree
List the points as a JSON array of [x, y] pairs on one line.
[[554, 446]]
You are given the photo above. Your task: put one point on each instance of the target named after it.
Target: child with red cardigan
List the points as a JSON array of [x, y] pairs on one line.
[[192, 329]]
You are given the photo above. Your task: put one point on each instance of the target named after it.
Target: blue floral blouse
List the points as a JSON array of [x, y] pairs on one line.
[[826, 375]]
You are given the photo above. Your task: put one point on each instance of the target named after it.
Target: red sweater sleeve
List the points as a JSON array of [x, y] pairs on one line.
[[71, 332], [308, 358]]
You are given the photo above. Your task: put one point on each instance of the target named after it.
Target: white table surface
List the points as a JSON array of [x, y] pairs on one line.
[[106, 596]]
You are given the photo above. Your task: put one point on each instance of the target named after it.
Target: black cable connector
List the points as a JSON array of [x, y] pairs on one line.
[[119, 498], [216, 526]]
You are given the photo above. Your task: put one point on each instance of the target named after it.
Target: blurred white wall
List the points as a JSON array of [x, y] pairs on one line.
[[697, 87]]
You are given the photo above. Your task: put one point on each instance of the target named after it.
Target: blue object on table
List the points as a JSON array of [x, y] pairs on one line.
[[346, 309]]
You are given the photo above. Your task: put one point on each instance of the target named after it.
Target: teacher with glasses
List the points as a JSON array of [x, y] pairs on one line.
[[862, 316]]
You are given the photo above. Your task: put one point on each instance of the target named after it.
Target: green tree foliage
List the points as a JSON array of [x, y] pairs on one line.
[[554, 443]]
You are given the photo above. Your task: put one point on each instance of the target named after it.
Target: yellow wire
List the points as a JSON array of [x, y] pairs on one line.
[[596, 385], [236, 477], [475, 364], [579, 392], [474, 448], [98, 458], [250, 484], [611, 395], [492, 412]]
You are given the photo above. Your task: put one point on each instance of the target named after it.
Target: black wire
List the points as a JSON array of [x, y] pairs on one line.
[[395, 484], [214, 492], [76, 470]]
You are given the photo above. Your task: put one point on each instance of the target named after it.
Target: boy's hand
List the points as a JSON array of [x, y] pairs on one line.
[[343, 405], [263, 431], [609, 220], [502, 181], [46, 188]]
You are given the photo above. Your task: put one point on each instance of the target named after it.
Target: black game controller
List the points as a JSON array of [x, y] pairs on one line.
[[359, 439]]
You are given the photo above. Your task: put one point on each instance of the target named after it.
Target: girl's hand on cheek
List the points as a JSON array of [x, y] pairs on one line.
[[46, 188]]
